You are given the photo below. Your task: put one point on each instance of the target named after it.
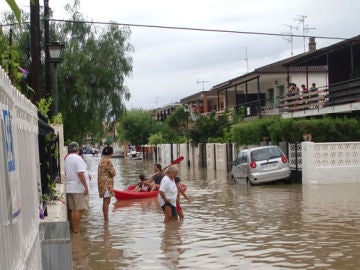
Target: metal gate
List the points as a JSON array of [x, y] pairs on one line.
[[295, 160], [48, 154]]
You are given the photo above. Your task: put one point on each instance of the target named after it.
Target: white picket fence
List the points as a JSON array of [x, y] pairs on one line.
[[19, 177]]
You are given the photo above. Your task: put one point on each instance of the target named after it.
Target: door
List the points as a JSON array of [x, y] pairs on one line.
[[239, 168], [243, 165]]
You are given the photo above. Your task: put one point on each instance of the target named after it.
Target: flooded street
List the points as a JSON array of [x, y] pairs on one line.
[[227, 225]]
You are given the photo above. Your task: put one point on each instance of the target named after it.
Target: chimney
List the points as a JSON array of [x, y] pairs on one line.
[[312, 44]]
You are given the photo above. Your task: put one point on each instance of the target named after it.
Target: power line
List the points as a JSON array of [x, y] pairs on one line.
[[195, 29], [188, 29]]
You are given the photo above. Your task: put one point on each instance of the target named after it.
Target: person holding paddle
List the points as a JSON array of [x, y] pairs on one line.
[[156, 177], [168, 194]]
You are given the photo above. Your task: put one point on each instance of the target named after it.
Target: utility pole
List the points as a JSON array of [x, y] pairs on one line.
[[35, 72], [47, 54], [203, 82], [305, 28]]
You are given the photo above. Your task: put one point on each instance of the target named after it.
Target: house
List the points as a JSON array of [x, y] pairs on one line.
[[161, 113], [341, 94], [258, 92]]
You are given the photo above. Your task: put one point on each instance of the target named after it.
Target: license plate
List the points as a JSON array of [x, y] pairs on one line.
[[269, 166]]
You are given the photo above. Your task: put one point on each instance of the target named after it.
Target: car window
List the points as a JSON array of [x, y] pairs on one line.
[[265, 154], [243, 158]]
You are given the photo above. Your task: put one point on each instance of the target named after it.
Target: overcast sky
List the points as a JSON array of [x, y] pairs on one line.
[[169, 65]]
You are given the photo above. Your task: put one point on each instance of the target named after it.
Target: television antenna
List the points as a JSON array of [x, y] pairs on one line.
[[290, 38], [203, 82], [246, 60], [305, 27], [156, 101]]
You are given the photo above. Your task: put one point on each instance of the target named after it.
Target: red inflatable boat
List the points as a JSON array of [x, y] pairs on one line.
[[129, 194]]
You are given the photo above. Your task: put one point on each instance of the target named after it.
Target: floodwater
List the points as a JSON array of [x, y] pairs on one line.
[[226, 226]]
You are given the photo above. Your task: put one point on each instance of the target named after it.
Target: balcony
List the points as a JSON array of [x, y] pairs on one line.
[[343, 97]]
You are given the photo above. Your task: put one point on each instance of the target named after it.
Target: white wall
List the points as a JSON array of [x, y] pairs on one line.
[[319, 78], [322, 163], [330, 163], [19, 178]]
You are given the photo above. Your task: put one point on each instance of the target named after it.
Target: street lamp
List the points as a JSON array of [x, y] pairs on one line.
[[55, 50], [186, 110]]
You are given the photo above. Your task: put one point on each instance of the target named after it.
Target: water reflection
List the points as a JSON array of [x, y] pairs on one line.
[[171, 245], [226, 226]]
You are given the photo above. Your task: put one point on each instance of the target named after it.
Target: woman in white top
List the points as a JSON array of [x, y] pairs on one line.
[[168, 194]]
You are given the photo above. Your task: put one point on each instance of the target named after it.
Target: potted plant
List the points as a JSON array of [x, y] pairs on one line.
[[49, 198], [307, 137]]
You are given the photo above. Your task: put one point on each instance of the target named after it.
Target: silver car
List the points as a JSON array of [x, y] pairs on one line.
[[260, 165]]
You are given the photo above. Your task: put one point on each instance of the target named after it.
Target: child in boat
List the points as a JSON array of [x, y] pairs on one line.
[[180, 191], [142, 186]]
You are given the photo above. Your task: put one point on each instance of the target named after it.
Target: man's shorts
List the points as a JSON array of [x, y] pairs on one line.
[[76, 201], [173, 209]]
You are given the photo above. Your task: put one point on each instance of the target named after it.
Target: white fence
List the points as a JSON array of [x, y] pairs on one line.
[[321, 163], [330, 163], [19, 176], [216, 155]]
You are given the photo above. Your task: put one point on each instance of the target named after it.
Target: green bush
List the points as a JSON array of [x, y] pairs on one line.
[[246, 133], [277, 129]]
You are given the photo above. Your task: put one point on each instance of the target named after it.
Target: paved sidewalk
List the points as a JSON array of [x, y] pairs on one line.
[[57, 209]]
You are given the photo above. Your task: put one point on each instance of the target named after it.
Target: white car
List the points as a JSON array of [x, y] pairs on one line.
[[260, 165]]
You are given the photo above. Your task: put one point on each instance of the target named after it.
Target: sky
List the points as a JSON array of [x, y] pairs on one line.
[[169, 65]]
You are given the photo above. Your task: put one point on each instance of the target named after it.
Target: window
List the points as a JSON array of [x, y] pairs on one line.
[[265, 154], [244, 158]]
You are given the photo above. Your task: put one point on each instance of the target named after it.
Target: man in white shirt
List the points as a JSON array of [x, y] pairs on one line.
[[168, 193], [75, 186]]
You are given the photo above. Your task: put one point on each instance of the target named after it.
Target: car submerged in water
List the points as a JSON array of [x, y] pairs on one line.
[[260, 165]]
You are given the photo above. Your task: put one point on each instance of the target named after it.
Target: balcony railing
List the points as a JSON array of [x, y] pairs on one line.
[[344, 92], [311, 100], [341, 93]]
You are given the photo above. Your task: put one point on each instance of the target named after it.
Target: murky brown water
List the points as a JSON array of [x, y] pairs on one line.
[[227, 225]]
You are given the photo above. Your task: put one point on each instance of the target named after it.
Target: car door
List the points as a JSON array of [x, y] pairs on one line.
[[243, 166], [235, 167]]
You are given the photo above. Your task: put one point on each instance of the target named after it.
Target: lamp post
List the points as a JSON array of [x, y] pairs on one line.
[[55, 50], [186, 110]]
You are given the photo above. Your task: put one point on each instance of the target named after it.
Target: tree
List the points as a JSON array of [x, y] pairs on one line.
[[136, 126], [156, 138], [176, 126], [91, 77], [15, 9], [13, 57], [209, 128]]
